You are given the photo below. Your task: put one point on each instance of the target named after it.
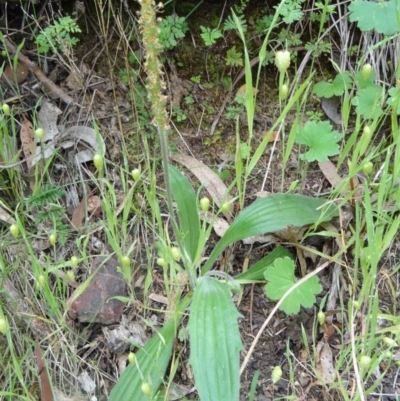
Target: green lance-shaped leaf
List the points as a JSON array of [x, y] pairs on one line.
[[186, 201], [150, 364], [270, 214], [256, 272], [214, 341]]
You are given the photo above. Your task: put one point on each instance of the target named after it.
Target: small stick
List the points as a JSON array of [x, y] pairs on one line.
[[32, 66]]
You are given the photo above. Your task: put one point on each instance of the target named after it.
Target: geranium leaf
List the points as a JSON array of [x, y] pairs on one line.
[[394, 99], [337, 87], [323, 142], [368, 102], [281, 278], [381, 16]]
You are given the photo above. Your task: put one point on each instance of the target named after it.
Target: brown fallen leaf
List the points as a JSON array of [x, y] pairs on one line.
[[273, 136], [330, 173], [242, 91], [45, 386], [93, 207], [324, 363], [211, 181], [27, 141], [79, 214]]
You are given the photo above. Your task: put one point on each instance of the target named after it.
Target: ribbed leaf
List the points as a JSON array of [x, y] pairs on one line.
[[270, 214], [256, 272], [214, 341], [151, 363], [186, 201]]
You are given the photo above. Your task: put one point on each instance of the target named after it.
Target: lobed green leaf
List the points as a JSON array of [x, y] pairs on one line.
[[281, 278]]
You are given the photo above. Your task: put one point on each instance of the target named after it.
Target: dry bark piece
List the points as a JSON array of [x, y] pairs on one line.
[[96, 304]]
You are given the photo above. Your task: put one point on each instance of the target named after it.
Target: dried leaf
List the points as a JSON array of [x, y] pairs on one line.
[[17, 76], [355, 184], [262, 239], [87, 383], [178, 392], [84, 138], [214, 185], [94, 205], [45, 386], [324, 363], [27, 141], [6, 217], [79, 214], [330, 173], [242, 91], [47, 120], [273, 136], [331, 107], [220, 225]]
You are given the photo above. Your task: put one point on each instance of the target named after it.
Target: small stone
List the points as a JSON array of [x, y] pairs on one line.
[[96, 303]]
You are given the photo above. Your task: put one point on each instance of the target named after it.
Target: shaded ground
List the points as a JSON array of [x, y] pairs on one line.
[[99, 88]]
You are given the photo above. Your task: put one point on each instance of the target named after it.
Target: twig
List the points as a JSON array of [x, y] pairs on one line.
[[33, 67]]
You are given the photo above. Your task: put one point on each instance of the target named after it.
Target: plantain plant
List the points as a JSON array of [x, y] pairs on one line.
[[213, 328]]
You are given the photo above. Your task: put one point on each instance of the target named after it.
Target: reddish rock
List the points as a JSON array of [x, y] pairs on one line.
[[95, 304]]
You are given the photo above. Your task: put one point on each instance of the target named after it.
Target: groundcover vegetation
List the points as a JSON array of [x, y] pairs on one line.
[[199, 200]]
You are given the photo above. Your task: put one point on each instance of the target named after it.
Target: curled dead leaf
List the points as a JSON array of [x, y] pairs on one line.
[[324, 363], [94, 205], [79, 214]]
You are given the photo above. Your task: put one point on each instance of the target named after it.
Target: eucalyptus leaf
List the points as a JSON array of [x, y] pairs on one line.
[[214, 341]]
